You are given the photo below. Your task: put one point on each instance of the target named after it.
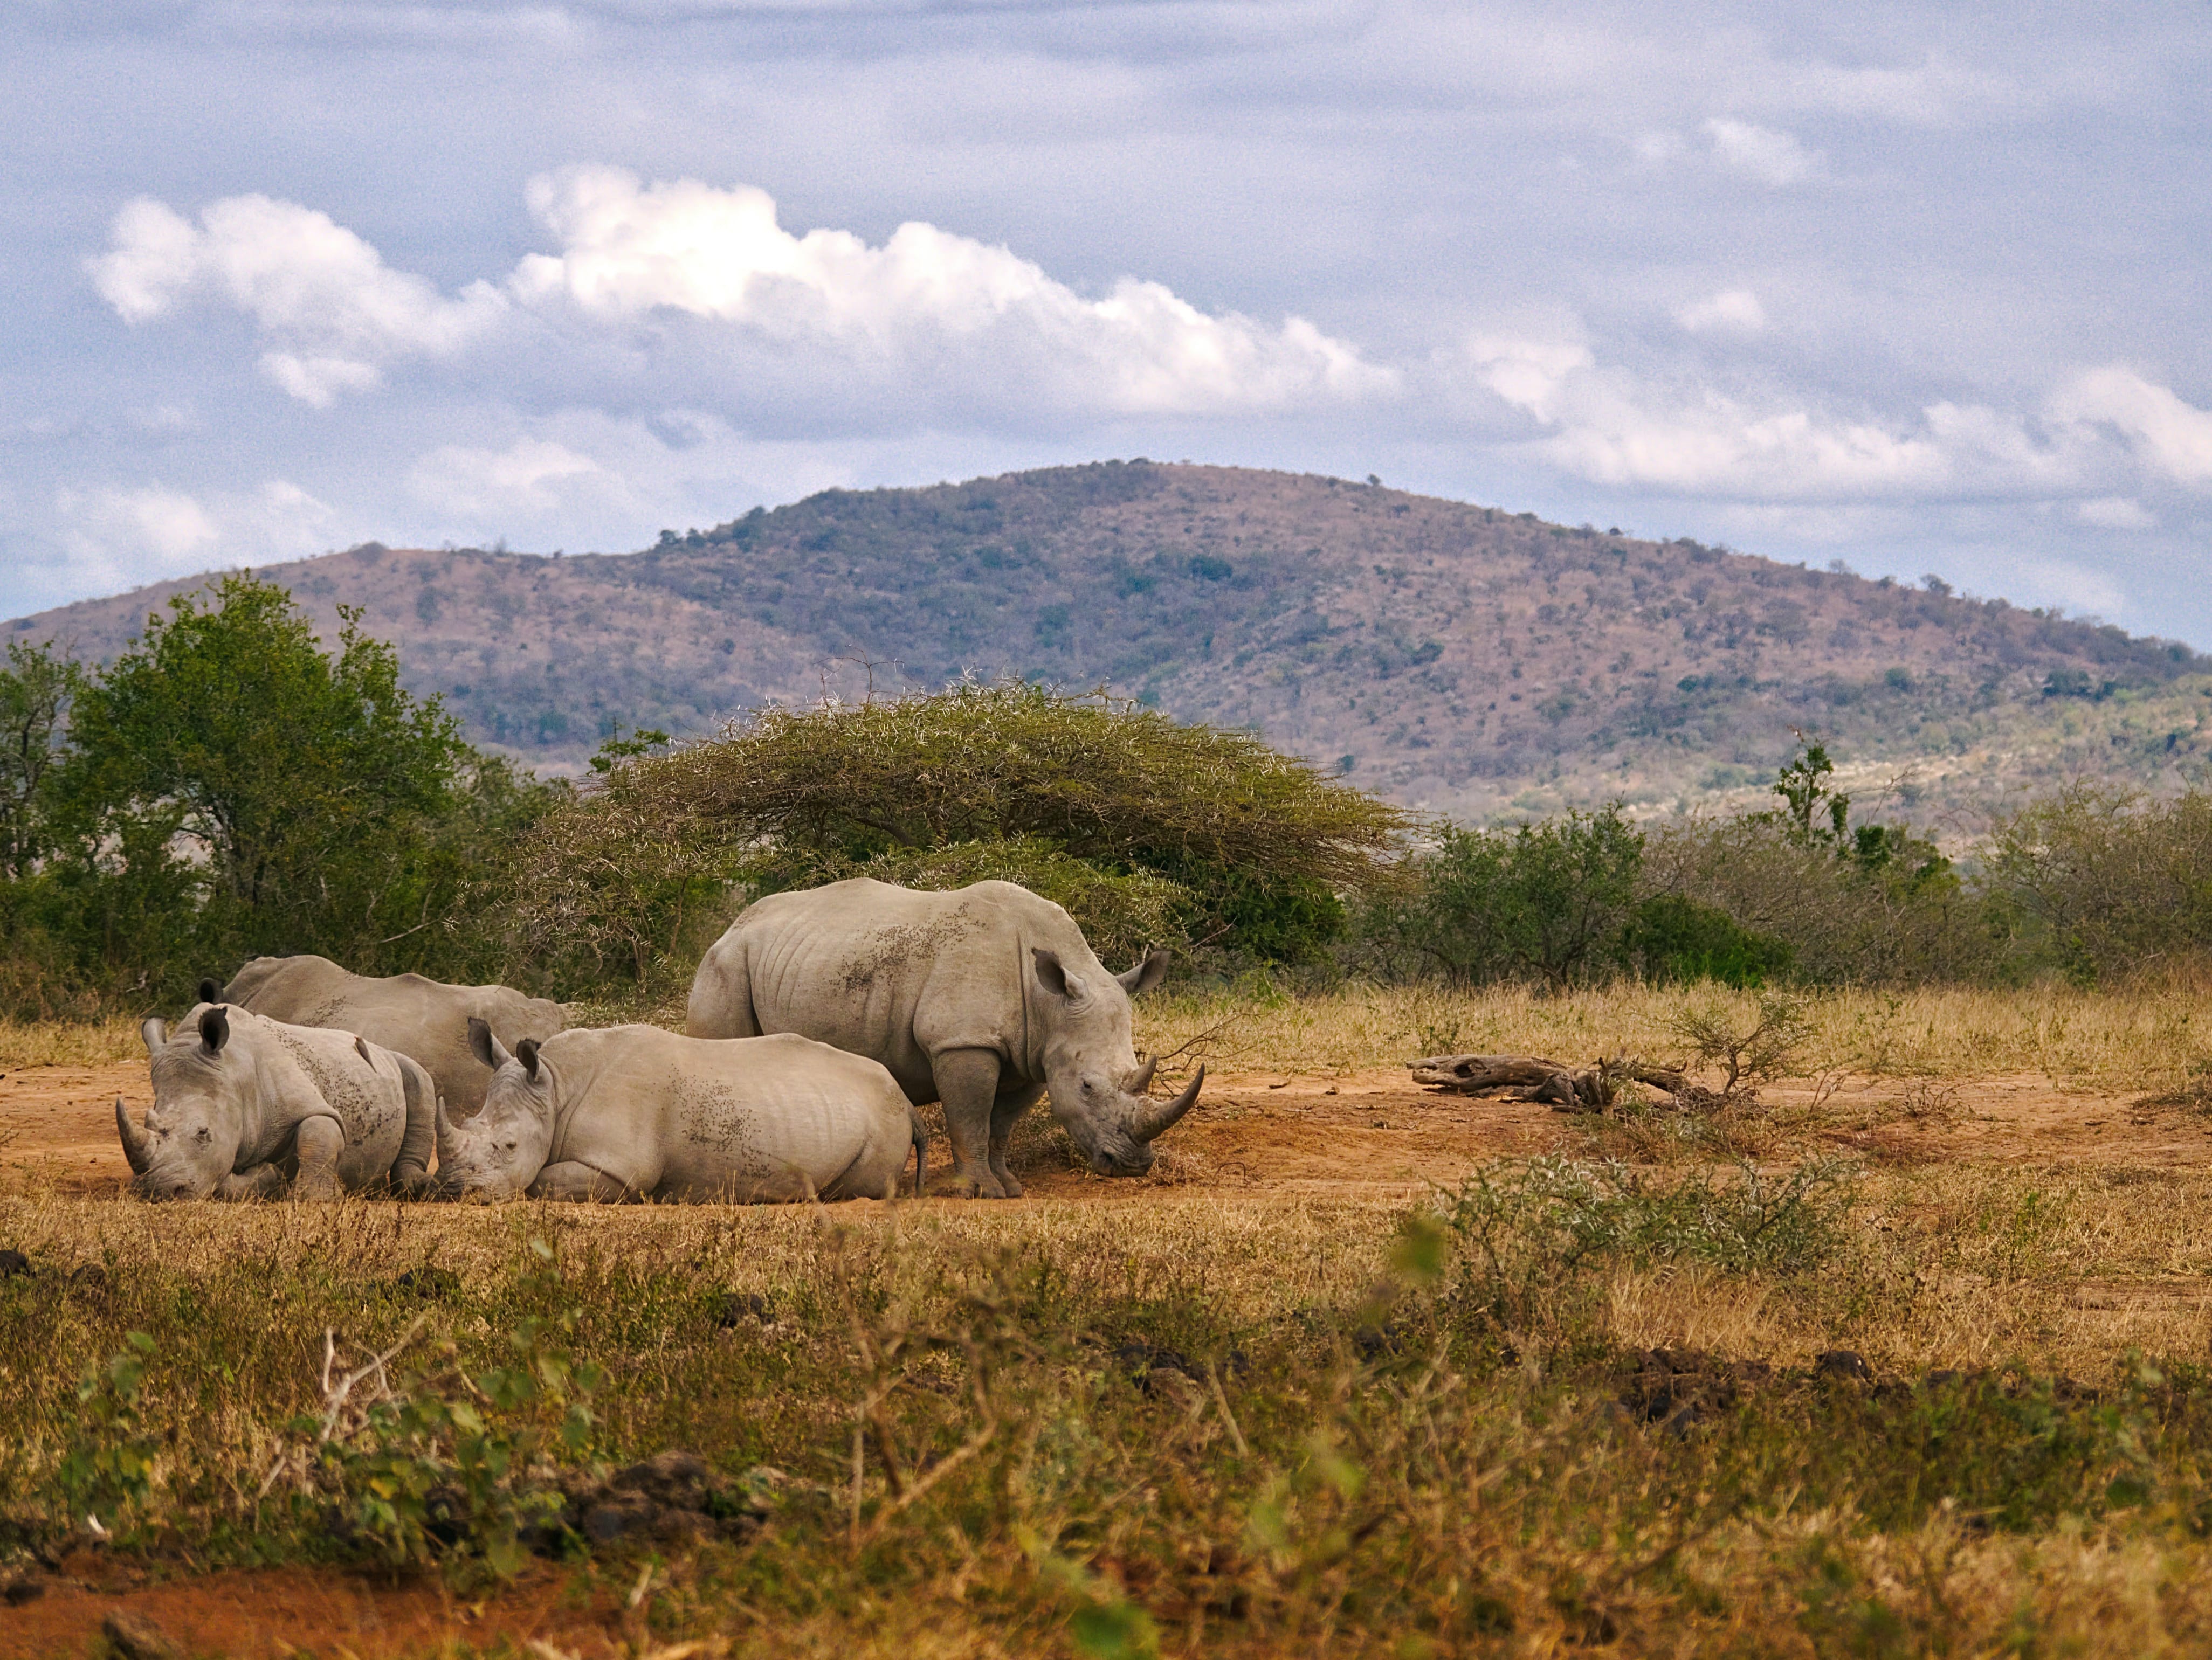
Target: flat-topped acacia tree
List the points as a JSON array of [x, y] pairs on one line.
[[1148, 830]]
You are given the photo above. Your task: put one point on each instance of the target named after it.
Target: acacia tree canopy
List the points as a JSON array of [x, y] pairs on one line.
[[1134, 821]]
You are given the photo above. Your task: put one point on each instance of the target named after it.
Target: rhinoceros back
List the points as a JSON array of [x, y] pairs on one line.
[[423, 1019], [893, 973]]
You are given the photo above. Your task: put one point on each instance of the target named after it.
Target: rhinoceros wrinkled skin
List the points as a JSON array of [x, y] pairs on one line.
[[634, 1112], [980, 998], [423, 1018], [245, 1107]]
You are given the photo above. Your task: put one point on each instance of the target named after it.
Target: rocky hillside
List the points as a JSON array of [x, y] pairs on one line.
[[1470, 660]]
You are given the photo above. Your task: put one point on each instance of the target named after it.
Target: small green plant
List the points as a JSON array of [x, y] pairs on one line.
[[109, 1469], [458, 1463]]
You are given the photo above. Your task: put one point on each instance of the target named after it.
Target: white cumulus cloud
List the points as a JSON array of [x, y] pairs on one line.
[[927, 306], [330, 307], [2172, 434], [1764, 153], [1733, 310]]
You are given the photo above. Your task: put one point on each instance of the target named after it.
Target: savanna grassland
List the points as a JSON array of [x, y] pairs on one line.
[[1360, 1369]]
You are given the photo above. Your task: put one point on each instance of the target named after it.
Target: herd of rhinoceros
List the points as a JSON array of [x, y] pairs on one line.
[[817, 1024]]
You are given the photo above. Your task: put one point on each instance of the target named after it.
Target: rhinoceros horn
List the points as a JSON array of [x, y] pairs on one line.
[[134, 1138], [1141, 1079], [1161, 1117]]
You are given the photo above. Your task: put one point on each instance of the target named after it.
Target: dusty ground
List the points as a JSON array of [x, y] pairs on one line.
[[1359, 1135]]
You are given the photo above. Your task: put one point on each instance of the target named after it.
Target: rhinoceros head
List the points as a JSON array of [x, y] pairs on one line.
[[202, 1090], [497, 1152], [1091, 1064]]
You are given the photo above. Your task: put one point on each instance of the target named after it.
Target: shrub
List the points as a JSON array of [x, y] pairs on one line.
[[2099, 883], [1548, 902], [1673, 937], [1258, 843]]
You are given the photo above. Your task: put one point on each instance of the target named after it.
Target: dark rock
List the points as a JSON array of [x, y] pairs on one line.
[[427, 1281], [1842, 1363], [733, 1308], [1679, 1390], [12, 1262], [673, 1495], [1383, 1342], [134, 1637], [1141, 1360], [24, 1585]]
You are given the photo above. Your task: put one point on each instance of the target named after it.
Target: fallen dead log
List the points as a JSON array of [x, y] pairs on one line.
[[1532, 1078]]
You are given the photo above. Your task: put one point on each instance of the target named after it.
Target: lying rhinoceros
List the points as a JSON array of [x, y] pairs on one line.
[[635, 1113], [244, 1107], [980, 998], [426, 1018]]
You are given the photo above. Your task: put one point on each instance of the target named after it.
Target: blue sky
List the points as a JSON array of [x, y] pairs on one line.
[[1904, 287]]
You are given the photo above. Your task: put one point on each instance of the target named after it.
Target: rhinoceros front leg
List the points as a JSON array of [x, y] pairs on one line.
[[261, 1181], [319, 1141], [580, 1183], [968, 1084], [1004, 1112]]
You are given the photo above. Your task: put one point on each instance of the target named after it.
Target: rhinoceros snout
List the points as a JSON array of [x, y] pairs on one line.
[[1134, 1161]]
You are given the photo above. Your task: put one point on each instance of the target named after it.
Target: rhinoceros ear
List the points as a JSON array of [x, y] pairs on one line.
[[1049, 973], [1146, 974], [215, 1030], [526, 1052], [484, 1046], [210, 992], [154, 1033]]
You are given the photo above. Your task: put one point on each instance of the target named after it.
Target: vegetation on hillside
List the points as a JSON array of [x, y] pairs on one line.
[[1479, 663]]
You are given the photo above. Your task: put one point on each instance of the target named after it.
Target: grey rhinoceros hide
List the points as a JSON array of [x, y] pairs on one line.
[[247, 1107], [422, 1018], [981, 998], [635, 1113]]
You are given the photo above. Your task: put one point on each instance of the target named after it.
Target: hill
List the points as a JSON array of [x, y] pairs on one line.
[[1463, 658]]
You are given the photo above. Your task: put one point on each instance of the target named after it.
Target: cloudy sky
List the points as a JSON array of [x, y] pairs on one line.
[[1893, 285]]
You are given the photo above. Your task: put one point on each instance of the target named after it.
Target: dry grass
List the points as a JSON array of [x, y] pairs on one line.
[[1343, 1496], [2148, 1038], [56, 1043]]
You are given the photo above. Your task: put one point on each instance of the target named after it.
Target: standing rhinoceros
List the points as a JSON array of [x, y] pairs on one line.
[[635, 1113], [242, 1105], [980, 998], [425, 1019]]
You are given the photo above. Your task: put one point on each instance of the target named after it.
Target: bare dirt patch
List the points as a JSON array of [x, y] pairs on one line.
[[1363, 1133], [253, 1613]]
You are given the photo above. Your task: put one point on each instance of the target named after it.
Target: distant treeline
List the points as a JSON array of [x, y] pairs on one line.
[[229, 787]]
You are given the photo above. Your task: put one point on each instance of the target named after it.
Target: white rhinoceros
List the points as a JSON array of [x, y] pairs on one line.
[[981, 998], [245, 1107], [634, 1112], [426, 1018]]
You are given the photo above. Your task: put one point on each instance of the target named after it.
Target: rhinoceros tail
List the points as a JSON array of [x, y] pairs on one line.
[[920, 1150], [411, 1171]]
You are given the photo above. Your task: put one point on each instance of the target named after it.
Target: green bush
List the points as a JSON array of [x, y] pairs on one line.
[[1237, 846], [1671, 937], [1547, 902]]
